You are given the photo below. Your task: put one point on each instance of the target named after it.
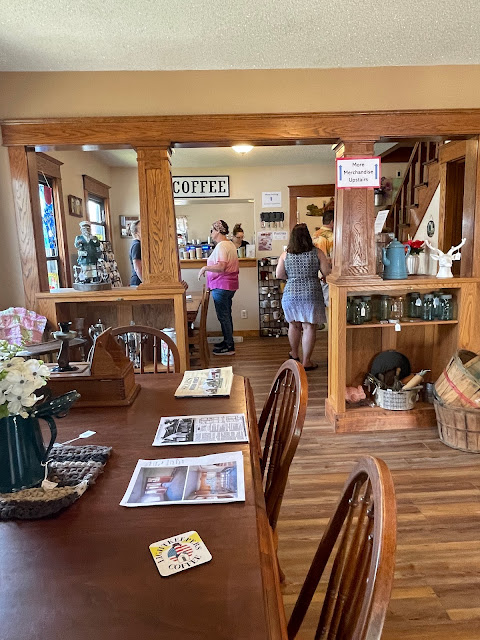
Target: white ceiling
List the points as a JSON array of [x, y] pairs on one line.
[[95, 35], [226, 157]]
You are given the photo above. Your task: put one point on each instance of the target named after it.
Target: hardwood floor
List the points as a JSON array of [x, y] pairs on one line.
[[437, 581]]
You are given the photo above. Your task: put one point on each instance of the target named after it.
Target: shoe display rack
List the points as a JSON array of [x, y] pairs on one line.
[[270, 289]]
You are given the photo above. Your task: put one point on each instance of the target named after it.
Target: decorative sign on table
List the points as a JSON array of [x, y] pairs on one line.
[[355, 173], [201, 186]]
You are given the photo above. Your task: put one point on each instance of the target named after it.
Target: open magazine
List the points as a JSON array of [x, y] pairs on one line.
[[206, 383], [227, 427], [215, 478]]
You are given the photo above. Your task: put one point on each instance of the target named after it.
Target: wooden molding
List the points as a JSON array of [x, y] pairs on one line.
[[452, 151], [96, 187], [226, 129]]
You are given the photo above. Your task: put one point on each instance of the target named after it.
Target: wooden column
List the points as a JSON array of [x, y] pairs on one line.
[[354, 259], [29, 227], [160, 263]]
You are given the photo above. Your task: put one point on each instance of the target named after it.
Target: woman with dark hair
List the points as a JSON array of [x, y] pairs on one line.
[[238, 237], [136, 254], [302, 299], [222, 280]]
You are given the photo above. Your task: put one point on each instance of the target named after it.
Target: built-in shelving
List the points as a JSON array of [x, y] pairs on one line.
[[386, 325]]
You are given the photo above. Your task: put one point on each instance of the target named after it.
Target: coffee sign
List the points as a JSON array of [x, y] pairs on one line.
[[201, 186]]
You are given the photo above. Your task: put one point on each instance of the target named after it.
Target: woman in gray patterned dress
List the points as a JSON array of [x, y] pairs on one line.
[[302, 299]]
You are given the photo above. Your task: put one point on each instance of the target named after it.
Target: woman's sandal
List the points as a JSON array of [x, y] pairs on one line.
[[314, 366], [292, 358]]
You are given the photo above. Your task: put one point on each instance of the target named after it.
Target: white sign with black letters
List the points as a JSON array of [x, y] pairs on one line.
[[354, 173], [201, 186]]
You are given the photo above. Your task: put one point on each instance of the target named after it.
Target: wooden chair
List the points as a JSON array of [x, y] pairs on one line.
[[359, 542], [142, 341], [280, 427], [197, 337]]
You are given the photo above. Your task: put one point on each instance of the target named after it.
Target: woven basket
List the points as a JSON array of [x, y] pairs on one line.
[[459, 383], [396, 400], [458, 427]]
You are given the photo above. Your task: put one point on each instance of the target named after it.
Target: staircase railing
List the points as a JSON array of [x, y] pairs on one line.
[[415, 176]]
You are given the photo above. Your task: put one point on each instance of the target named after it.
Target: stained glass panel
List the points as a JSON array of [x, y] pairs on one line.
[[53, 277], [48, 220]]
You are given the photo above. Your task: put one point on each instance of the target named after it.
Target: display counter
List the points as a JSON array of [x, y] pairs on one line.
[[157, 307], [198, 263]]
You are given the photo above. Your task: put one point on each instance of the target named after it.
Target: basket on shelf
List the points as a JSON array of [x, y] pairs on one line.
[[396, 400], [459, 383], [458, 427]]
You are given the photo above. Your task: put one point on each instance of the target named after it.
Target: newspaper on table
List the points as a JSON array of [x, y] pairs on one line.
[[215, 478], [226, 427], [206, 383]]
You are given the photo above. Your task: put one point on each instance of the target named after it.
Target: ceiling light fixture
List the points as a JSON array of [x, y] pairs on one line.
[[242, 148]]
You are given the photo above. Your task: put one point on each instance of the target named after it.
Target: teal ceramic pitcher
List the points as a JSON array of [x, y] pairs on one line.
[[394, 259], [22, 451]]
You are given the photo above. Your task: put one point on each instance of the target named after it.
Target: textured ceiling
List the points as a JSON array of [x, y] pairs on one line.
[[226, 157], [95, 35]]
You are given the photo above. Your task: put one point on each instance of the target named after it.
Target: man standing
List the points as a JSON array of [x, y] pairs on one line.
[[323, 240]]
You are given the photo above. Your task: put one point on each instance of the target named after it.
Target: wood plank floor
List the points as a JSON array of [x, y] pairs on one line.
[[437, 581]]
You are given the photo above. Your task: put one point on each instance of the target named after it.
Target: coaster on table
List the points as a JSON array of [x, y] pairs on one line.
[[178, 553]]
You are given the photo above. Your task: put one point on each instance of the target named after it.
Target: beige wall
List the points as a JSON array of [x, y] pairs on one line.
[[245, 183], [75, 165], [38, 95]]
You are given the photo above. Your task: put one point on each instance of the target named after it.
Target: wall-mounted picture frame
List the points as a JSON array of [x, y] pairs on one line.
[[125, 223], [75, 206]]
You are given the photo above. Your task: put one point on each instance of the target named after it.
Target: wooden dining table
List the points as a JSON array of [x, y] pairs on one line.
[[87, 573], [193, 305]]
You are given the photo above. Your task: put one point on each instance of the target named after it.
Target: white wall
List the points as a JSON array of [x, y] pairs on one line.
[[427, 265]]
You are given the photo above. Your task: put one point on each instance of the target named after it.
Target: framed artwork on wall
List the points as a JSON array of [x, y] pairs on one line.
[[125, 222], [75, 206]]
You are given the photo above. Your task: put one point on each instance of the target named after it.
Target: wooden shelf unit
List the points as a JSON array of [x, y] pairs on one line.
[[428, 345]]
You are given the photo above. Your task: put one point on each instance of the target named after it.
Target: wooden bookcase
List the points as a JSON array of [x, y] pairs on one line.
[[427, 345]]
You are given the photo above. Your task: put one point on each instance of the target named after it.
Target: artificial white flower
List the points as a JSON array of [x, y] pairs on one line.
[[20, 383], [18, 403]]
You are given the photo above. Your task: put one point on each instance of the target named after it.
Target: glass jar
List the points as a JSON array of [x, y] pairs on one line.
[[428, 308], [414, 305], [350, 305], [367, 308], [357, 316], [437, 311], [446, 307], [397, 308], [384, 308]]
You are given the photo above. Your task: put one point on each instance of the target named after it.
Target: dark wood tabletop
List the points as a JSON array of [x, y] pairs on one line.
[[193, 305], [88, 574]]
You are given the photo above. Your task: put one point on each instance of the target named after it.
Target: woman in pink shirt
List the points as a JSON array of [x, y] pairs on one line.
[[222, 280]]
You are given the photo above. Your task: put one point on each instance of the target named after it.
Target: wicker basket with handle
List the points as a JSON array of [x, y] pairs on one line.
[[458, 427]]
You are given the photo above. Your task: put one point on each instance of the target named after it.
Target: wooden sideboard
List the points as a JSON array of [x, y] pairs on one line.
[[157, 307]]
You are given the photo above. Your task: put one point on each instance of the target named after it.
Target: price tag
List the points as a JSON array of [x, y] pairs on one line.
[[418, 302], [398, 326], [362, 311]]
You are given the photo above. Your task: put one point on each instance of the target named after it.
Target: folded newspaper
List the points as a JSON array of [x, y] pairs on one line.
[[206, 383], [203, 429], [215, 478]]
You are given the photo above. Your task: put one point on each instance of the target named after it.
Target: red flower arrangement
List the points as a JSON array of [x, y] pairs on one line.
[[416, 246]]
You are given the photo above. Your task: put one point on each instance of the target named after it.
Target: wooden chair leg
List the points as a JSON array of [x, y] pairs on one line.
[[275, 546]]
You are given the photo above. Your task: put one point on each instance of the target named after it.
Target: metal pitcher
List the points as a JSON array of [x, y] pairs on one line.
[[394, 257], [23, 454], [96, 329]]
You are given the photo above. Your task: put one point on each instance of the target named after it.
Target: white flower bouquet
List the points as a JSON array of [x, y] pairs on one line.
[[19, 380]]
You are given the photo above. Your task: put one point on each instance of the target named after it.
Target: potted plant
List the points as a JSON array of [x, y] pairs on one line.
[[23, 455], [413, 260]]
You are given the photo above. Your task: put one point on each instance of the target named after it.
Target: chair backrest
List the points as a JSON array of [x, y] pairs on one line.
[[204, 351], [280, 427], [141, 341], [360, 539]]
